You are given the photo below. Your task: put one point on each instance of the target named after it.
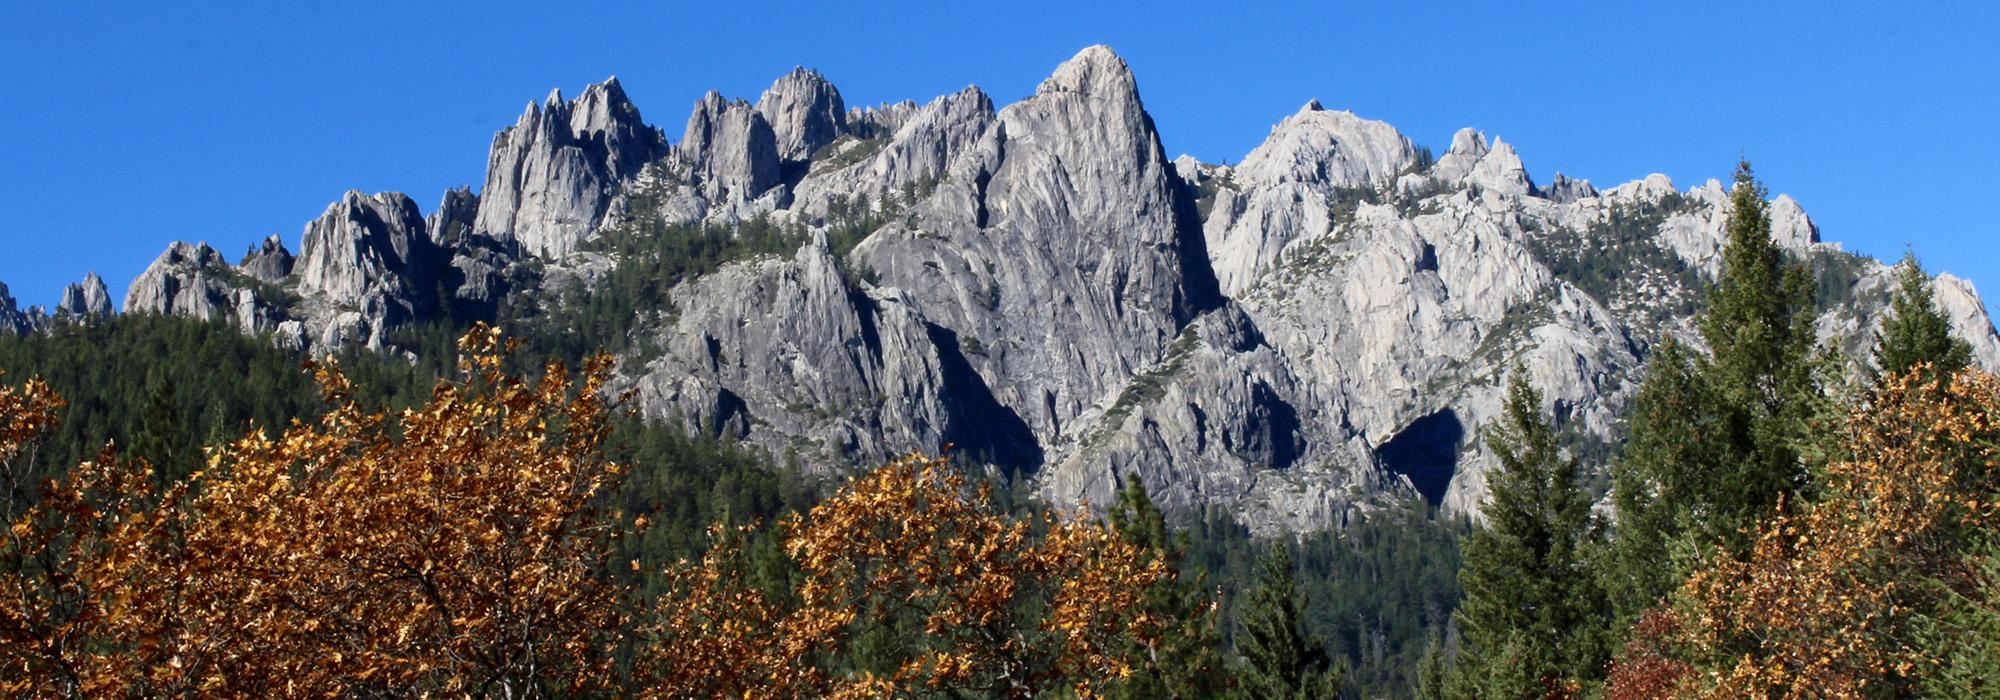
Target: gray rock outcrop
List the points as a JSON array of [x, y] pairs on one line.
[[1301, 338], [1290, 187], [268, 261], [87, 299], [12, 319], [1564, 190], [552, 175], [731, 150], [805, 113], [187, 280], [1057, 243]]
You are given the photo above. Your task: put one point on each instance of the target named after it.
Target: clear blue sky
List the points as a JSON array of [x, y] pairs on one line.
[[132, 124]]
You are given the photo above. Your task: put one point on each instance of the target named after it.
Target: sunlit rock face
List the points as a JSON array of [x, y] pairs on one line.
[[1318, 331]]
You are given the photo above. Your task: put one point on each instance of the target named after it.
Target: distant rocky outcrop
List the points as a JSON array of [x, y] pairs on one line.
[[12, 319], [87, 299], [805, 113], [186, 280], [268, 261], [552, 175]]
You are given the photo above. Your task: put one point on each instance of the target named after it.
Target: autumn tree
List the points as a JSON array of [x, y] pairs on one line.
[[1822, 605], [1002, 607], [455, 548], [1281, 661], [1531, 606], [1914, 332]]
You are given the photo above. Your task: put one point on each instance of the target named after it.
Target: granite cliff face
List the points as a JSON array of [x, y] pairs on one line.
[[552, 175], [12, 319], [1301, 338], [86, 299]]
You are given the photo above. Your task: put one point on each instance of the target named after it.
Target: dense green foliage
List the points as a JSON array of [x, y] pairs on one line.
[[169, 386], [1189, 661], [1759, 328], [1532, 610], [1716, 439], [1914, 332], [1281, 661], [1377, 591], [162, 386], [1964, 635], [1671, 420]]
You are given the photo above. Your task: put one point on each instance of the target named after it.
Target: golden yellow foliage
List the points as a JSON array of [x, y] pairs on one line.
[[454, 549], [1820, 607], [911, 539], [58, 554], [458, 549]]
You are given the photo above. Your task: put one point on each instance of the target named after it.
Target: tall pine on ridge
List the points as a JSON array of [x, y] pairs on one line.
[[1531, 610], [1914, 332], [1715, 439], [1760, 333]]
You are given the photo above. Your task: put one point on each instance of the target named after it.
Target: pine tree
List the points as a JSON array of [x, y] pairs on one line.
[[1716, 440], [1655, 483], [1914, 332], [1186, 661], [1964, 634], [1431, 671], [1530, 606], [162, 439], [1760, 336], [1282, 662]]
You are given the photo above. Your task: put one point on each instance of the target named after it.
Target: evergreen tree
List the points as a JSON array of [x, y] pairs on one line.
[[1431, 672], [1530, 607], [162, 438], [1674, 420], [1915, 332], [1964, 634], [1282, 663], [1716, 440], [1760, 333], [1187, 660]]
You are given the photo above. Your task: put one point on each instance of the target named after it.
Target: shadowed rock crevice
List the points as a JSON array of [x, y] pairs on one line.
[[1427, 453], [983, 429]]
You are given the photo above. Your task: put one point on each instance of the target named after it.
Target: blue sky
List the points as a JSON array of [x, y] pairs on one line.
[[130, 125]]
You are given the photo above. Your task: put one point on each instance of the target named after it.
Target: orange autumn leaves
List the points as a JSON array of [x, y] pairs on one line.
[[460, 549], [1823, 604], [910, 539]]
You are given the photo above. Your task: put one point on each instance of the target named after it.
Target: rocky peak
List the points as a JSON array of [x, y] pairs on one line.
[[886, 118], [1058, 243], [805, 113], [367, 244], [1095, 71], [1333, 148], [730, 146], [1471, 161], [268, 261], [186, 280], [1563, 189], [12, 320], [551, 176], [916, 152], [454, 217], [86, 299], [606, 121]]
